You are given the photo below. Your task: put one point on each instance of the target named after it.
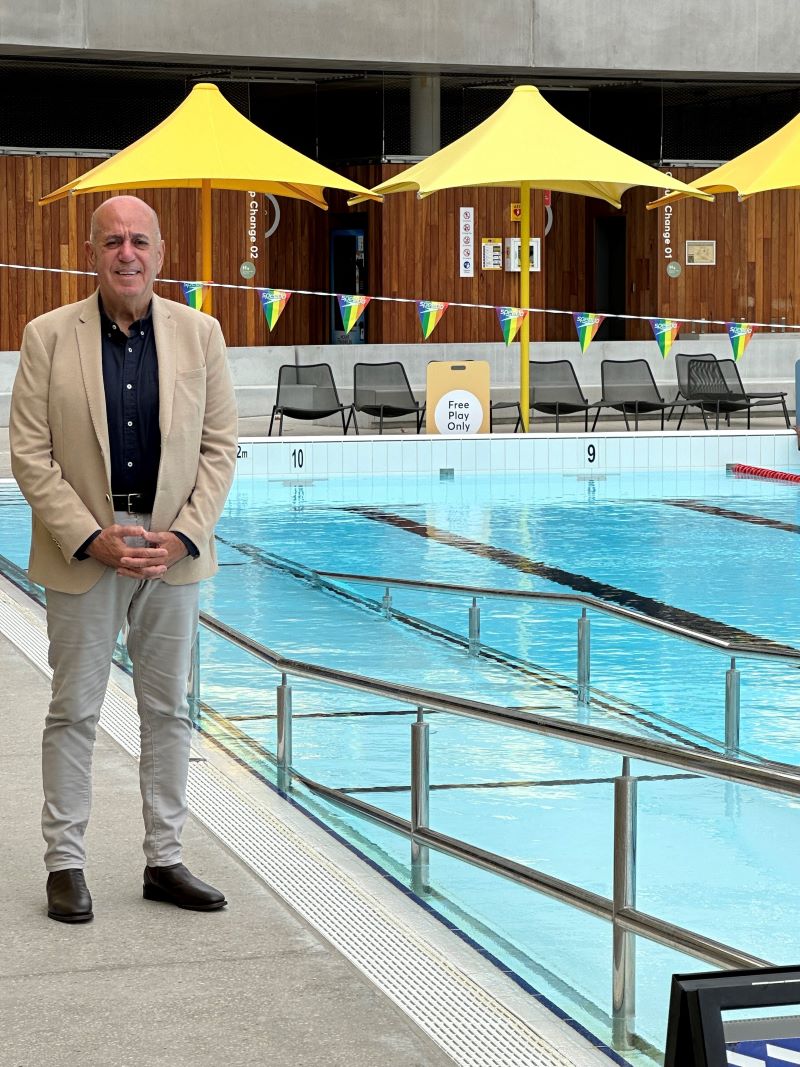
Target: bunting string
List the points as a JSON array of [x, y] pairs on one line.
[[685, 321]]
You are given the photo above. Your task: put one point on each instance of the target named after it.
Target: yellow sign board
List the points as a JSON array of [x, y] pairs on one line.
[[458, 397]]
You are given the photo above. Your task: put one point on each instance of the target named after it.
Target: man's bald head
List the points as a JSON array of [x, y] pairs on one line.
[[127, 252], [121, 202]]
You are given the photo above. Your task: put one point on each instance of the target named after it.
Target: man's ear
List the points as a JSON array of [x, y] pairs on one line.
[[90, 256]]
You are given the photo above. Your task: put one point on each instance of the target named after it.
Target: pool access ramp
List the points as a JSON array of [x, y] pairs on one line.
[[258, 981]]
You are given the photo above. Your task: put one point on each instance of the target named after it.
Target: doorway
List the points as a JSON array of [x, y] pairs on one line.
[[348, 277], [610, 287]]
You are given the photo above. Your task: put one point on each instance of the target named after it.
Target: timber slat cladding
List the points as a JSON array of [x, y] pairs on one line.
[[413, 250]]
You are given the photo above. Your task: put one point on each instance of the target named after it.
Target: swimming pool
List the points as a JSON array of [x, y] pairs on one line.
[[712, 856]]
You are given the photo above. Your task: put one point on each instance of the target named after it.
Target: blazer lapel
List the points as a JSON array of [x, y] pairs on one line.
[[164, 327], [91, 360]]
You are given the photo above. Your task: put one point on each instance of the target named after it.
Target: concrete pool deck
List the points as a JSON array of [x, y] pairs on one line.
[[147, 983]]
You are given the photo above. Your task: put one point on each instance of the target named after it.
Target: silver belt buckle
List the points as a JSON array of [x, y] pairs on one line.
[[132, 510]]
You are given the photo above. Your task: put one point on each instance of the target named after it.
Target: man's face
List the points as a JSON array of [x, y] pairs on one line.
[[126, 251]]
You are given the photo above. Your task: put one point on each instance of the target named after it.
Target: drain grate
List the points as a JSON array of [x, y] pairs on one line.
[[469, 1024]]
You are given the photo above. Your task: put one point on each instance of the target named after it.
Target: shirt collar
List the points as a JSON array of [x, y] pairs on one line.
[[110, 329]]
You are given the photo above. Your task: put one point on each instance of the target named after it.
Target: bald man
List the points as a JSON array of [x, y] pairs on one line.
[[123, 440]]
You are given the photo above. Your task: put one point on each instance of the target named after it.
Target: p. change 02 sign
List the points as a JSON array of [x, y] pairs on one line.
[[458, 398]]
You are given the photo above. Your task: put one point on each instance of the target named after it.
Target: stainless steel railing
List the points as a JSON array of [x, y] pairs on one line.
[[742, 649], [627, 920]]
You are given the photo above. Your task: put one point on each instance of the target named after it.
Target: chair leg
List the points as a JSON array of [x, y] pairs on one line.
[[636, 416], [280, 424], [355, 422], [586, 420], [596, 417], [662, 420], [683, 412], [556, 418], [272, 419], [785, 413], [349, 416], [748, 416], [380, 423], [420, 417]]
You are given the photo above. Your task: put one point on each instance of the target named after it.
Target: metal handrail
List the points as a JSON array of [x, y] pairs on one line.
[[734, 648], [778, 778], [627, 920]]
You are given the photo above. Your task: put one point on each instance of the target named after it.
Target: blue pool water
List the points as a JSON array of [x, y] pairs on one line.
[[717, 858]]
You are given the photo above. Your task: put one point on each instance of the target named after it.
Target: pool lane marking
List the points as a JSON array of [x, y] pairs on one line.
[[581, 583], [516, 784], [739, 516]]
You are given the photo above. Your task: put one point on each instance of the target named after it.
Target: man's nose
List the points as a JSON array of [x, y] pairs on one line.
[[126, 250]]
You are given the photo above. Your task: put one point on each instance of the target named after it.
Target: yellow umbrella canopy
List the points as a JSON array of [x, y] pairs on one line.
[[771, 164], [526, 144], [207, 144], [527, 141]]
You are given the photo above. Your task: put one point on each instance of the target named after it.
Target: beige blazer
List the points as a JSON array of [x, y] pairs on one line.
[[60, 447]]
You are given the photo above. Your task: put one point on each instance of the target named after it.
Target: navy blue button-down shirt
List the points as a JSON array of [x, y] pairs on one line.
[[130, 380]]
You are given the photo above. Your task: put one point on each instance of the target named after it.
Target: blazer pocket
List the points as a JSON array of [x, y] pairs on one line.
[[187, 375]]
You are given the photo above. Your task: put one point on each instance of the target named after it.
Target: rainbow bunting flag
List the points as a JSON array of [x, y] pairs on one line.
[[195, 293], [665, 332], [510, 320], [273, 301], [430, 312], [587, 326], [352, 308], [740, 334]]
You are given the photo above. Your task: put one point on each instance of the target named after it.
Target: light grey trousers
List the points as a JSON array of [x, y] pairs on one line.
[[83, 629]]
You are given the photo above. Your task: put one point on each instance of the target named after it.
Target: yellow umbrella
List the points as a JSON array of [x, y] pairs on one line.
[[526, 144], [207, 144], [771, 164]]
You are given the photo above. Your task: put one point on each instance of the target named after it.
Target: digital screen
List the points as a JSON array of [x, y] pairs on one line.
[[762, 1037]]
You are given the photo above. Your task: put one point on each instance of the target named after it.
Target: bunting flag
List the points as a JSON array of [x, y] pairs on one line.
[[510, 320], [587, 326], [195, 293], [740, 334], [352, 308], [430, 312], [665, 332], [273, 302]]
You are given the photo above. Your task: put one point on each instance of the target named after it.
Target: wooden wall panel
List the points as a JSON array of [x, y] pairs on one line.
[[413, 254]]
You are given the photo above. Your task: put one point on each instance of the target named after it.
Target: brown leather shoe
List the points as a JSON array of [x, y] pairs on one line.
[[68, 898], [177, 885]]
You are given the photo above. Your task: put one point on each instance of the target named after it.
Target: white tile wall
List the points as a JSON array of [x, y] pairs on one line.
[[298, 458]]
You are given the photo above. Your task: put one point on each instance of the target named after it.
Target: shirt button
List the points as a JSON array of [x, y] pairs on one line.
[[130, 349], [129, 463], [141, 333], [130, 424], [129, 386]]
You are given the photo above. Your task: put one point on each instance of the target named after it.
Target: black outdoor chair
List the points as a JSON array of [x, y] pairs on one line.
[[730, 372], [382, 390], [716, 387], [682, 400], [629, 387], [498, 405], [308, 392], [554, 390]]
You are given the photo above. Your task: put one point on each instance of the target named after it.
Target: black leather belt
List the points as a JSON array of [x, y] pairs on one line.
[[133, 503]]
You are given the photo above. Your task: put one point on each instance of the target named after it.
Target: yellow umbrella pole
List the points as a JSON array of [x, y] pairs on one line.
[[205, 242], [524, 301]]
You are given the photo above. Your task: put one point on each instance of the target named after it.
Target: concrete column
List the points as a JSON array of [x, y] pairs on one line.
[[425, 115]]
